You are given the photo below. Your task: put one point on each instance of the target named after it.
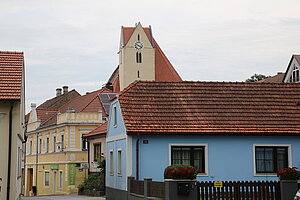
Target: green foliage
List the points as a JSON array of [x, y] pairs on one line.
[[178, 171], [257, 77], [93, 182]]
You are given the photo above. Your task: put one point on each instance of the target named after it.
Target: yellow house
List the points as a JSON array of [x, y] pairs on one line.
[[56, 154], [11, 123]]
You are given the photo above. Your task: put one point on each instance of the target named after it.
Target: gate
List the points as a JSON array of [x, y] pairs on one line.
[[239, 190]]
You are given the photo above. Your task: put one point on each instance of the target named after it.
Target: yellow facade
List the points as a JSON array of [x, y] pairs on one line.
[[58, 153]]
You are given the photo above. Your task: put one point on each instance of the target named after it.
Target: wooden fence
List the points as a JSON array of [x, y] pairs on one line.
[[243, 190]]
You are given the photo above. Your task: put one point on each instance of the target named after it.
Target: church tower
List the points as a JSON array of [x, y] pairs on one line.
[[136, 55], [140, 58]]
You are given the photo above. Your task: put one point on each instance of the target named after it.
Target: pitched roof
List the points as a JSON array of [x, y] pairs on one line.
[[278, 78], [60, 100], [11, 71], [101, 129], [44, 114], [164, 70], [89, 102], [211, 108]]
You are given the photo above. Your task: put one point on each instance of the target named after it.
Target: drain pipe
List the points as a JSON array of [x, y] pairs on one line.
[[137, 156], [9, 150]]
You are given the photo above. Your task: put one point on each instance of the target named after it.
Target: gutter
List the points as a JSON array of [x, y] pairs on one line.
[[9, 151]]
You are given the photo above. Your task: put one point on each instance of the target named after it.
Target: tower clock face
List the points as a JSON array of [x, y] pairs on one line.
[[138, 45]]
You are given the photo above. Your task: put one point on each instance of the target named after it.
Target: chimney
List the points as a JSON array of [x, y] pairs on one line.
[[33, 110], [65, 89], [58, 92], [279, 73]]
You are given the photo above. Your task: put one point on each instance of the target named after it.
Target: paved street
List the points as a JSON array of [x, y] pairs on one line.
[[64, 197]]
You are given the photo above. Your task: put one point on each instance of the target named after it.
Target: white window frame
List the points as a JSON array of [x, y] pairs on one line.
[[54, 143], [30, 147], [115, 119], [205, 145], [290, 163], [62, 141], [46, 171], [119, 158], [47, 144], [111, 162]]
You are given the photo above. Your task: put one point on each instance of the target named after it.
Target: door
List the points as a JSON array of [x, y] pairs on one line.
[[30, 179], [54, 181]]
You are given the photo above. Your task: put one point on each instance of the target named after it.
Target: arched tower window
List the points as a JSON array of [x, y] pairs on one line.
[[138, 74], [138, 37], [138, 57]]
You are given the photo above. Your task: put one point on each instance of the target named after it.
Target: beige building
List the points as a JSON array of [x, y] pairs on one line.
[[56, 155], [11, 123]]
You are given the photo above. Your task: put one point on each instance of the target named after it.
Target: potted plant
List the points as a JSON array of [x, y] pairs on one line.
[[288, 181], [178, 171], [180, 182]]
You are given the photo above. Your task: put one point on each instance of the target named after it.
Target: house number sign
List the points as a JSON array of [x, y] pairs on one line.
[[218, 184]]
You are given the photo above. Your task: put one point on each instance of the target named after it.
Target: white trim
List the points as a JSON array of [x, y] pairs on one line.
[[289, 146], [117, 137], [205, 145]]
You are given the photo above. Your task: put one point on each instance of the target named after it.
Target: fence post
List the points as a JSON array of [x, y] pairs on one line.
[[146, 183]]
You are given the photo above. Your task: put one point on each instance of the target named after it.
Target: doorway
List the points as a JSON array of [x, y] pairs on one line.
[[30, 179], [54, 181]]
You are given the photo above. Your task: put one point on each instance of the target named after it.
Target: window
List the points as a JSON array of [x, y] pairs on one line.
[[62, 142], [295, 75], [60, 179], [97, 151], [138, 37], [40, 147], [138, 57], [115, 116], [189, 155], [111, 162], [269, 159], [47, 179], [138, 74], [84, 143], [19, 162], [47, 145], [54, 143], [30, 147], [119, 162]]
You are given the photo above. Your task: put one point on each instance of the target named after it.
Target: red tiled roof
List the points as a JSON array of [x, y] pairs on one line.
[[11, 71], [44, 114], [101, 129], [211, 108], [85, 103], [274, 79]]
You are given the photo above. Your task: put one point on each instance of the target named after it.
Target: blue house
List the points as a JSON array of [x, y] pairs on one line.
[[228, 131]]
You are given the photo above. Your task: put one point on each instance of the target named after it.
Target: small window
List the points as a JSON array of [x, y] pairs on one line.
[[97, 151], [84, 144], [295, 75], [189, 155], [138, 37], [47, 145], [54, 143], [47, 179], [119, 162], [138, 74], [115, 116], [40, 147], [270, 159], [60, 179], [111, 162], [30, 147]]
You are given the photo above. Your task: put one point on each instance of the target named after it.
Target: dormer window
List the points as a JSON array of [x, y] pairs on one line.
[[295, 75], [138, 57]]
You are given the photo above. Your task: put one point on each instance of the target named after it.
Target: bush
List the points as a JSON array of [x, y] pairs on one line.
[[178, 171], [93, 182]]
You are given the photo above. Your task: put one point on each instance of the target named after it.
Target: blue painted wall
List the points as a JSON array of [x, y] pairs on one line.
[[119, 129], [229, 157]]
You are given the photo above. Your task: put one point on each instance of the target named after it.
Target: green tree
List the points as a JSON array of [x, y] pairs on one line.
[[257, 77]]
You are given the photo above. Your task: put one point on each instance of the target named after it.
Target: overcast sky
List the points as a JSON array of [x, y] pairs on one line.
[[75, 43]]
